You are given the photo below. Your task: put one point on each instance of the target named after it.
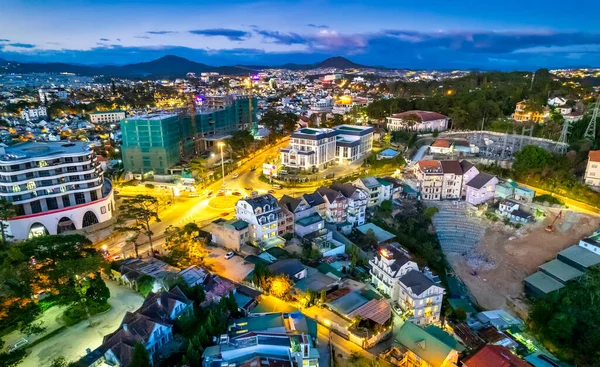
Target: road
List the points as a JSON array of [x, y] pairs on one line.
[[582, 207], [187, 209]]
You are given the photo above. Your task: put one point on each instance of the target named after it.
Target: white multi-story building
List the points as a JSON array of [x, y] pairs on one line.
[[51, 94], [453, 180], [418, 121], [318, 148], [55, 187], [431, 178], [107, 117], [444, 180], [310, 147], [262, 215], [592, 170], [396, 275], [30, 114], [372, 186]]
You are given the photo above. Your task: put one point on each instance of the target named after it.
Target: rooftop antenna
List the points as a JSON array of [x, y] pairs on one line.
[[590, 132]]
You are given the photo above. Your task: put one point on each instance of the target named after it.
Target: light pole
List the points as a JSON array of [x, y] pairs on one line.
[[221, 145]]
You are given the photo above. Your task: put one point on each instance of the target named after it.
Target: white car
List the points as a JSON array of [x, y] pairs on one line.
[[235, 175], [229, 255], [18, 345]]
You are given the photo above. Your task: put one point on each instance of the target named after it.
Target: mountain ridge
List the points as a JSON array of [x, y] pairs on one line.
[[165, 66]]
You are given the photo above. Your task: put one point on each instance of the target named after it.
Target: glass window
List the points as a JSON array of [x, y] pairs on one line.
[[30, 185], [79, 198], [16, 188]]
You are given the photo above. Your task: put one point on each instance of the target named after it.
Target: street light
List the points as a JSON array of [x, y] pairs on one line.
[[221, 145]]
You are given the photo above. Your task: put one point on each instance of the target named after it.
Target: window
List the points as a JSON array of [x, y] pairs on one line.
[[51, 203], [30, 185], [102, 210], [36, 207], [94, 195], [79, 198], [16, 188]]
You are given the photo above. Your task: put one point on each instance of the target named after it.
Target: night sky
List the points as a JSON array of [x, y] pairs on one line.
[[506, 35]]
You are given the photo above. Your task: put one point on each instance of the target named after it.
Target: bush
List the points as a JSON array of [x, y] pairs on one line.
[[491, 216], [76, 313], [548, 199], [430, 212], [149, 186]]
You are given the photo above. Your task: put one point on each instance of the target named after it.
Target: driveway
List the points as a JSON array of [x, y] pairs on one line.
[[233, 269], [72, 342]]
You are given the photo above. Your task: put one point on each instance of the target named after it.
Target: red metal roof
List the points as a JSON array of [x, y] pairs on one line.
[[495, 356], [594, 155]]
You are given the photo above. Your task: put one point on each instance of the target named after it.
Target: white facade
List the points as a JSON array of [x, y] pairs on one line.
[[50, 94], [109, 117], [592, 170], [34, 113], [310, 147], [262, 215], [418, 121], [55, 187], [353, 142], [420, 298], [387, 267]]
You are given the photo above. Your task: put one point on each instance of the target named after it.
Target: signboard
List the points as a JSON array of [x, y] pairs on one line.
[[269, 170]]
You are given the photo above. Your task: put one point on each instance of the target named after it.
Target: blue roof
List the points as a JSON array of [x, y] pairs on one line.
[[348, 303]]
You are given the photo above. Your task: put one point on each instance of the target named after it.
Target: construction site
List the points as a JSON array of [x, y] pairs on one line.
[[493, 258]]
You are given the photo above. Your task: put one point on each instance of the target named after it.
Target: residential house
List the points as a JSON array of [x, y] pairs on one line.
[[524, 194], [481, 188], [262, 215], [293, 268], [441, 146], [231, 234], [215, 288], [316, 202], [469, 172], [420, 298], [294, 209], [336, 205], [592, 170], [452, 180], [430, 177], [397, 186], [524, 114], [387, 189], [388, 266], [557, 101], [418, 121], [373, 189], [505, 189], [494, 356], [356, 199], [591, 243], [427, 347], [151, 325], [512, 211]]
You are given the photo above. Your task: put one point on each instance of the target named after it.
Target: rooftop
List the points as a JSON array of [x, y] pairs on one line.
[[43, 149], [580, 256], [311, 219], [422, 116], [381, 234], [560, 270], [425, 345], [543, 282]]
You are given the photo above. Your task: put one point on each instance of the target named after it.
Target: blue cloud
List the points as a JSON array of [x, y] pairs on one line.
[[104, 39], [22, 45], [142, 37], [318, 26], [160, 32], [290, 38], [230, 34], [4, 40]]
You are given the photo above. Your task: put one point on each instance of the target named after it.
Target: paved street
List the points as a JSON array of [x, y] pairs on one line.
[[72, 342], [235, 269]]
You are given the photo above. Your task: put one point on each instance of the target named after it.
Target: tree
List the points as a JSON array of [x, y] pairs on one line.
[[387, 139], [135, 215], [184, 246], [370, 239], [280, 286], [261, 275], [241, 140], [7, 211], [140, 357], [531, 159], [386, 206], [145, 285], [460, 315], [289, 122]]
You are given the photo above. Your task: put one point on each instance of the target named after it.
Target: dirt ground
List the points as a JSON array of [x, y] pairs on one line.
[[506, 256]]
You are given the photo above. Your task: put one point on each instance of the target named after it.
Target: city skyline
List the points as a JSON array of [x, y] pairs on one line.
[[469, 34]]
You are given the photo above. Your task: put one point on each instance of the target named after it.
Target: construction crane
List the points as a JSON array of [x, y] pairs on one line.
[[551, 227]]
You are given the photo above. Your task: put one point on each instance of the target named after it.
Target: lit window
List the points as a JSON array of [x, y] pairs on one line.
[[265, 236], [30, 185], [16, 188], [43, 163]]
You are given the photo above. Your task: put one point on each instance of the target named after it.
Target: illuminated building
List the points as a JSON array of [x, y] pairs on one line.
[[55, 187], [522, 114], [107, 117], [418, 121], [156, 142]]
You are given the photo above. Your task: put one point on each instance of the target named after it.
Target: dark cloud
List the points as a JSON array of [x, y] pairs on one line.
[[118, 40], [104, 39], [160, 32], [142, 37], [289, 38], [318, 26], [4, 40], [230, 34], [22, 45]]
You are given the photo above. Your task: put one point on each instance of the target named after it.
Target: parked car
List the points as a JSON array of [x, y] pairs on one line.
[[253, 168], [236, 193], [224, 214], [271, 191], [236, 175], [249, 188], [210, 193], [221, 194], [229, 255], [194, 195], [18, 345]]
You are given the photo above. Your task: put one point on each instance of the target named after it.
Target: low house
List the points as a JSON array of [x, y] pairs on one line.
[[441, 146], [381, 235], [505, 189], [373, 189], [511, 210], [500, 319], [592, 169], [231, 234], [151, 325], [293, 268], [132, 270], [417, 120], [427, 347], [494, 356], [481, 188], [216, 288], [524, 194], [591, 243]]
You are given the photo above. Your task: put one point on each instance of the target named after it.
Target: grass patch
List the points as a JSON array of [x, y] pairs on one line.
[[548, 199]]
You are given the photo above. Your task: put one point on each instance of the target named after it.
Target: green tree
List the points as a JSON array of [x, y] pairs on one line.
[[460, 315], [140, 356], [7, 211], [241, 140], [386, 206], [184, 246], [145, 285], [531, 159], [370, 239], [135, 215]]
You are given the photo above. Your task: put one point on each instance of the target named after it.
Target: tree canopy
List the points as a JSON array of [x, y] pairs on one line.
[[135, 215]]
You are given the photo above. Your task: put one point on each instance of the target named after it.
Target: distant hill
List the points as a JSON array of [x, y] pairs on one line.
[[169, 66]]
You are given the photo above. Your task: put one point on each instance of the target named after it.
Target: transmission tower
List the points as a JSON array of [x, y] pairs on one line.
[[590, 132], [562, 145]]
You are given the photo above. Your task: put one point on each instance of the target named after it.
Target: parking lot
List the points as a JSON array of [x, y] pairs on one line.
[[234, 269]]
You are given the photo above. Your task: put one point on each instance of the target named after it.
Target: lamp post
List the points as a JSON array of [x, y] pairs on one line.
[[221, 145]]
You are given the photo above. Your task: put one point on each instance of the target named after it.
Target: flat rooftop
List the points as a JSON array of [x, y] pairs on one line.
[[581, 256], [151, 116], [381, 234], [543, 282], [560, 270], [43, 149]]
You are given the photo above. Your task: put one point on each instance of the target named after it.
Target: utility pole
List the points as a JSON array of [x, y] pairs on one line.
[[221, 144], [590, 132]]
